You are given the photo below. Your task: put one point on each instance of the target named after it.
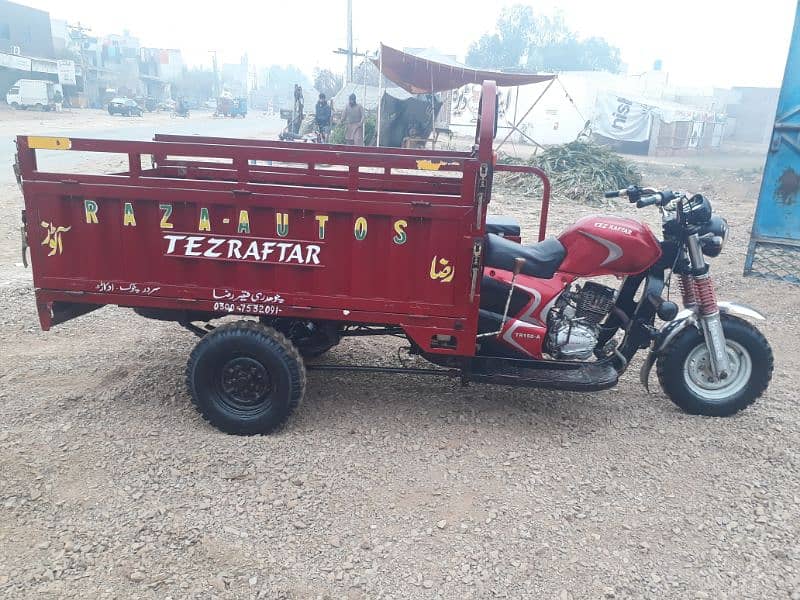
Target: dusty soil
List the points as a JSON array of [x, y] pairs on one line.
[[111, 486]]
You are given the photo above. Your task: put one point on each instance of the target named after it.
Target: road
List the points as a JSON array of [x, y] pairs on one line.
[[96, 124], [112, 486]]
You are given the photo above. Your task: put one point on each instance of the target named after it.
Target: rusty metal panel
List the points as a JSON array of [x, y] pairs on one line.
[[774, 251]]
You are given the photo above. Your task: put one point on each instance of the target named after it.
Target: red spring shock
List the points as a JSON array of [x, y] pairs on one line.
[[686, 287], [706, 296]]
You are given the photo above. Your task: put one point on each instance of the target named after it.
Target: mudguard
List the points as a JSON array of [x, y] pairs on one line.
[[688, 318]]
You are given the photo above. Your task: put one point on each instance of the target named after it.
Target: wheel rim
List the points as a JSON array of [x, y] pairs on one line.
[[244, 385], [700, 379]]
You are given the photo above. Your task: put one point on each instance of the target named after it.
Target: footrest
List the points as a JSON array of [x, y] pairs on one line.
[[577, 377]]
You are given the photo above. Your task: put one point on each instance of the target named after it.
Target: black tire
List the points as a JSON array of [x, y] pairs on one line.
[[672, 369], [245, 378]]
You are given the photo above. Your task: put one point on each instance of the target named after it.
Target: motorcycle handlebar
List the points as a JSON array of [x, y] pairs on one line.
[[644, 196], [648, 201]]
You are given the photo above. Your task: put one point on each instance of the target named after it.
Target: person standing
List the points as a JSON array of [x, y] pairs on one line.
[[322, 117], [297, 110], [58, 98], [353, 122]]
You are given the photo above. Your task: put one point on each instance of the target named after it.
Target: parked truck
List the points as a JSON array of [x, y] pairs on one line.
[[309, 243], [32, 93]]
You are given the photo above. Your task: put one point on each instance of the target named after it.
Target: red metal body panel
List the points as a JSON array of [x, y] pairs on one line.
[[260, 227], [603, 245], [527, 330]]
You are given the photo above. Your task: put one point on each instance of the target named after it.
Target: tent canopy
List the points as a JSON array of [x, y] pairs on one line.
[[420, 75], [368, 96]]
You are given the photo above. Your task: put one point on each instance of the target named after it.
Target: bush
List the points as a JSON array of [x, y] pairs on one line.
[[370, 137]]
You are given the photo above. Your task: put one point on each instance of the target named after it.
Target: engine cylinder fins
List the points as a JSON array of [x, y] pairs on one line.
[[594, 301]]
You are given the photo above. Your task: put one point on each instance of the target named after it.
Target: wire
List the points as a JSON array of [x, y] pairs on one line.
[[571, 100]]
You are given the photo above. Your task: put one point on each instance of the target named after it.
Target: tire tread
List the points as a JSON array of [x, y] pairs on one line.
[[674, 387], [297, 370]]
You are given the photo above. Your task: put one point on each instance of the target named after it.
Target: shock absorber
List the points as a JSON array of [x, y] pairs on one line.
[[705, 295], [686, 287], [709, 311]]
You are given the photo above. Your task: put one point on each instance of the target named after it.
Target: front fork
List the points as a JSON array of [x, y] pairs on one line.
[[699, 289]]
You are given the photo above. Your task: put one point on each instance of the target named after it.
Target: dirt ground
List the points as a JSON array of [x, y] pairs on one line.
[[111, 486]]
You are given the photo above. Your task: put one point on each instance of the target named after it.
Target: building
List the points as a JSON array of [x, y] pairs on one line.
[[24, 34], [752, 113], [25, 31], [236, 78], [159, 68]]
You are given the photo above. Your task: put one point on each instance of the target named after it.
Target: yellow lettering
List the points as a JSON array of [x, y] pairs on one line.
[[360, 228], [400, 229], [442, 270], [282, 224], [244, 222], [205, 221], [166, 213], [90, 208], [128, 218], [322, 220]]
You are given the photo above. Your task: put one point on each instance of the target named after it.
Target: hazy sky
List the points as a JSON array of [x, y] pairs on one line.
[[700, 42]]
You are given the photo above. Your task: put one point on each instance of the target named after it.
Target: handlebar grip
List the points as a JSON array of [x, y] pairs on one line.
[[648, 201], [667, 196], [614, 194]]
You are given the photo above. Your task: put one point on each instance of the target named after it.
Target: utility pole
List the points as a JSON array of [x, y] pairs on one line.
[[216, 72], [349, 52], [79, 32], [350, 40]]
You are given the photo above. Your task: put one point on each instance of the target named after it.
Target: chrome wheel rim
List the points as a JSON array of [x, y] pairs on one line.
[[700, 379]]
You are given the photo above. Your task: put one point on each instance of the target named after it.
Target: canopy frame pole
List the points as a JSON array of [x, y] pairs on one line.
[[433, 115], [515, 126], [380, 98]]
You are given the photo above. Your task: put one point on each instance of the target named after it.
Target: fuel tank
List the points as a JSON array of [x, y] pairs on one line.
[[604, 245]]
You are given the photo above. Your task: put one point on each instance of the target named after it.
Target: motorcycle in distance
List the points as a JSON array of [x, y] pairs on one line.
[[180, 110], [710, 360]]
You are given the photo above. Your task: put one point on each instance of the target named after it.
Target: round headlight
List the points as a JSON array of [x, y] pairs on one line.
[[697, 210]]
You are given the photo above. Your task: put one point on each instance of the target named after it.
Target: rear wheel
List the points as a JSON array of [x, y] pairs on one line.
[[246, 378], [685, 375]]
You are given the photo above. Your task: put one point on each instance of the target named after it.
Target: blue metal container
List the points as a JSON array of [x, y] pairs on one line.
[[774, 251]]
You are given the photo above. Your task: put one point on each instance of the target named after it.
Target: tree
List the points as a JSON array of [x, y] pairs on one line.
[[366, 72], [279, 82], [526, 41], [327, 82]]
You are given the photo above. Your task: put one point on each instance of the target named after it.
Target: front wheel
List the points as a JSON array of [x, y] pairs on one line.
[[685, 374]]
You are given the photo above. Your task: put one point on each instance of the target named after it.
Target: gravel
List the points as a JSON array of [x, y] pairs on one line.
[[111, 486]]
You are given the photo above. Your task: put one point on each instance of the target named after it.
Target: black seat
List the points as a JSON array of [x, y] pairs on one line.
[[502, 225], [541, 260]]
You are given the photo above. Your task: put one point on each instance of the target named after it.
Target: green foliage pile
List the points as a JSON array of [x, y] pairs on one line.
[[579, 170], [370, 135]]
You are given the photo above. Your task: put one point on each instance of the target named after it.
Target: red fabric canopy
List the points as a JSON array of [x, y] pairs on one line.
[[423, 76]]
